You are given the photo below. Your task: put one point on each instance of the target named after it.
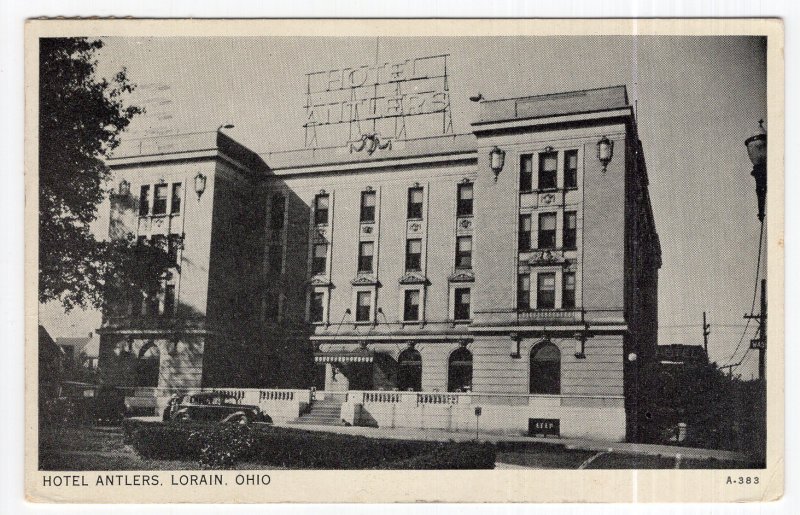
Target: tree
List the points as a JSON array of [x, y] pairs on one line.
[[81, 117]]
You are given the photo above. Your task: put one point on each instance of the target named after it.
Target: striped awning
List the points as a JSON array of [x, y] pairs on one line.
[[343, 357]]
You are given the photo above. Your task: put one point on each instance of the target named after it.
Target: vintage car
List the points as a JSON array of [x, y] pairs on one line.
[[212, 407]]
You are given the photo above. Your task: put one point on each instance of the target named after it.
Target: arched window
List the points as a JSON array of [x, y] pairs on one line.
[[409, 370], [147, 366], [459, 371], [545, 369]]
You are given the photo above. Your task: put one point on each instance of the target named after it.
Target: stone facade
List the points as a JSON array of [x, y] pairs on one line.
[[418, 267]]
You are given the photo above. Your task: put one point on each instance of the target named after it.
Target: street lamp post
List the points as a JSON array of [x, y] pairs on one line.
[[757, 152]]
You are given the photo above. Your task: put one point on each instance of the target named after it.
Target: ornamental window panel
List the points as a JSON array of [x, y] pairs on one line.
[[464, 252], [411, 305], [321, 207], [368, 206], [547, 231], [414, 255], [319, 261], [524, 292], [526, 172], [144, 200], [415, 197], [571, 169], [548, 175], [568, 290], [525, 227], [546, 291], [570, 230], [177, 195], [363, 306], [545, 366], [461, 304], [464, 204], [459, 371], [366, 250], [160, 199]]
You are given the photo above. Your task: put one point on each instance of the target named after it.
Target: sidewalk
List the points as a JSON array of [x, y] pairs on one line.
[[568, 443]]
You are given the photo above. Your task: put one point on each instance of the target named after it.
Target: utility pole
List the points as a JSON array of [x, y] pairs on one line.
[[706, 332], [760, 342]]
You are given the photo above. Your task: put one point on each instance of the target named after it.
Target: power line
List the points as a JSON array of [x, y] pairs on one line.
[[755, 292]]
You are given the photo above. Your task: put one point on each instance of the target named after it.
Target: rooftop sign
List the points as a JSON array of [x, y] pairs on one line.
[[374, 101]]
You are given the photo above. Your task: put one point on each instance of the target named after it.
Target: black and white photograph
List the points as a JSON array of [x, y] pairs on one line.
[[264, 253]]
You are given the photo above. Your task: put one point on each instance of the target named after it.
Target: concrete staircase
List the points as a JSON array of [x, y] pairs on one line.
[[325, 412]]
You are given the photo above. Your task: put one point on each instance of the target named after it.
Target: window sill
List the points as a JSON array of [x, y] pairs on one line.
[[415, 219]]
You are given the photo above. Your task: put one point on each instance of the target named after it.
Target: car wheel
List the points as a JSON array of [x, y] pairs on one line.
[[241, 420]]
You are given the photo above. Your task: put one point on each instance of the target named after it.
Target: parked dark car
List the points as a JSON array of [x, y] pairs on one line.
[[212, 407]]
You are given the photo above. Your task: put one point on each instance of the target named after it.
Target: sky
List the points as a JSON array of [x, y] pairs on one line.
[[697, 100]]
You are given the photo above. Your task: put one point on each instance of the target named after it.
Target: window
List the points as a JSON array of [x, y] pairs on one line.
[[159, 241], [548, 163], [546, 291], [367, 206], [459, 371], [319, 261], [415, 202], [177, 194], [411, 305], [160, 199], [173, 245], [526, 173], [363, 306], [462, 301], [464, 207], [169, 300], [545, 369], [570, 229], [276, 259], [144, 201], [547, 231], [277, 213], [366, 249], [571, 169], [568, 294], [464, 252], [147, 366], [316, 308], [409, 371], [321, 203], [413, 255], [524, 239], [524, 292]]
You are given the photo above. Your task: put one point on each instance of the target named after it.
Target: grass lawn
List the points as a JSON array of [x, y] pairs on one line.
[[631, 461]]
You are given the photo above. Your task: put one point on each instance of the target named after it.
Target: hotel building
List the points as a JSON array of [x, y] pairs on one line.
[[513, 268]]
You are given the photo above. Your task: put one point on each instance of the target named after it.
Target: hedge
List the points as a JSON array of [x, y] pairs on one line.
[[224, 445]]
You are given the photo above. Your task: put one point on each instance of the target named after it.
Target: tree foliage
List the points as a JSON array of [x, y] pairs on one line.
[[81, 117]]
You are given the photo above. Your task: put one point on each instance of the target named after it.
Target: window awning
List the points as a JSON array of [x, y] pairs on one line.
[[343, 357]]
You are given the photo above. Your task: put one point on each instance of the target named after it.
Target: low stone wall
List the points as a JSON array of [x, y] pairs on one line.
[[597, 418]]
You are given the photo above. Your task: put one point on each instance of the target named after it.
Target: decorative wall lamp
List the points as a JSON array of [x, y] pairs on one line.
[[580, 346], [497, 158], [515, 345], [124, 188], [605, 151], [199, 184]]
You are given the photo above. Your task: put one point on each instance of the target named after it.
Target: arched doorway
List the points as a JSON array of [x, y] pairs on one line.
[[459, 371], [147, 366], [545, 369], [409, 370]]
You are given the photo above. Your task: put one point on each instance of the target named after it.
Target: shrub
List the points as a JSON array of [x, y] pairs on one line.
[[222, 446]]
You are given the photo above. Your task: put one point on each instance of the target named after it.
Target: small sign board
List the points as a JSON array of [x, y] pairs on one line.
[[478, 411], [544, 427], [758, 343]]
